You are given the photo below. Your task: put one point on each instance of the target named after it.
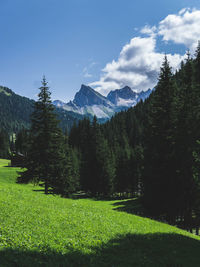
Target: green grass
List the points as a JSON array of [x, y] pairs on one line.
[[40, 230]]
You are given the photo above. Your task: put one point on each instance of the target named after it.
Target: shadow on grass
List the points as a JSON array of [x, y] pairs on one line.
[[132, 206], [156, 250], [9, 166], [74, 196], [38, 190], [82, 194]]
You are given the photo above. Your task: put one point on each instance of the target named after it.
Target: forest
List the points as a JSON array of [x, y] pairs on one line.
[[150, 151]]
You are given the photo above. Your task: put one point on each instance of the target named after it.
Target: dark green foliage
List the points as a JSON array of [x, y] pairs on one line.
[[15, 112], [97, 170], [197, 64], [68, 183], [81, 138], [137, 170], [4, 145], [21, 142], [151, 150], [104, 167], [154, 147], [46, 158], [123, 165], [159, 173]]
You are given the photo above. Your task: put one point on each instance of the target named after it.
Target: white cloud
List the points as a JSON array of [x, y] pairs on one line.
[[86, 74], [86, 70], [149, 30], [183, 28], [139, 62], [137, 66]]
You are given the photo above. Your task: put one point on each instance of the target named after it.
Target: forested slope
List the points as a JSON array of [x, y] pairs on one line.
[[15, 112], [151, 150]]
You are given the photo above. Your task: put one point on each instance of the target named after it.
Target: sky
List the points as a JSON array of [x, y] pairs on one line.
[[106, 44]]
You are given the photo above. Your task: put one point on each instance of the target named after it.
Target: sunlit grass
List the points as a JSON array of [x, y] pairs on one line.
[[46, 230]]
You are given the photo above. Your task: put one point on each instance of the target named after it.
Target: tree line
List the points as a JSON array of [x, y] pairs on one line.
[[151, 151], [15, 112]]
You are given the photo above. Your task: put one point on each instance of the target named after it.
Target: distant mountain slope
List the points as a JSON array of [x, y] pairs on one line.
[[126, 97], [125, 93], [89, 102], [88, 96], [15, 112]]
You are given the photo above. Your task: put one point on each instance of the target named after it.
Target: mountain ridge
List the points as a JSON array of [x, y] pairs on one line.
[[89, 102], [15, 111]]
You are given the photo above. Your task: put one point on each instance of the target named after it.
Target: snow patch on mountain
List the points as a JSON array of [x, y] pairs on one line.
[[89, 102], [126, 102]]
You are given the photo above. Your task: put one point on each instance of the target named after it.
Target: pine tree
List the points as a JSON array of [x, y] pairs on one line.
[[185, 132], [84, 142], [123, 165], [46, 155], [158, 173], [197, 64], [4, 145], [105, 166], [137, 169], [69, 182], [21, 142]]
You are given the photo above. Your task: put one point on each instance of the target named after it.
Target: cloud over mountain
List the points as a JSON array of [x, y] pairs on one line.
[[183, 28], [139, 62]]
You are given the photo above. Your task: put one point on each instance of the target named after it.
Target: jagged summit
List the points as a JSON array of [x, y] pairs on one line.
[[144, 94], [87, 101], [124, 93], [88, 96]]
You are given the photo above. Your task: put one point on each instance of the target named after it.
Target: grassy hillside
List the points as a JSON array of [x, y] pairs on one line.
[[40, 230]]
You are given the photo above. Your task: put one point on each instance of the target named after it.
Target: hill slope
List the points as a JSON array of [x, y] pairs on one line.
[[40, 230], [15, 112]]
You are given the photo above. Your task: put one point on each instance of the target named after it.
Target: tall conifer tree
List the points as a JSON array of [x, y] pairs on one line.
[[158, 182], [46, 156]]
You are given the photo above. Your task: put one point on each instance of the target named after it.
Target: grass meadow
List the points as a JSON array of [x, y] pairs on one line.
[[47, 230]]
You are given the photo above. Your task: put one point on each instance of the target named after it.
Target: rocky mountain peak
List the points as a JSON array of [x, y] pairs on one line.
[[87, 101], [88, 96], [124, 93]]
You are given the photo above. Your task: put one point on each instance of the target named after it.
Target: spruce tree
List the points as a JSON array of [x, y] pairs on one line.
[[104, 174], [4, 145], [46, 156], [123, 165], [185, 132], [69, 182], [158, 173], [21, 142]]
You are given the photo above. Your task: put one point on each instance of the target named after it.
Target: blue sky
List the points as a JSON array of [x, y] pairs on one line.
[[72, 41]]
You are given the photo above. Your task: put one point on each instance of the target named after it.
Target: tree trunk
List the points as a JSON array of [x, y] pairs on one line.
[[197, 230]]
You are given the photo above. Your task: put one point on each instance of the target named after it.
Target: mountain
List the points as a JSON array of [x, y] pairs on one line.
[[123, 97], [144, 94], [89, 102], [126, 97], [88, 96], [15, 112]]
